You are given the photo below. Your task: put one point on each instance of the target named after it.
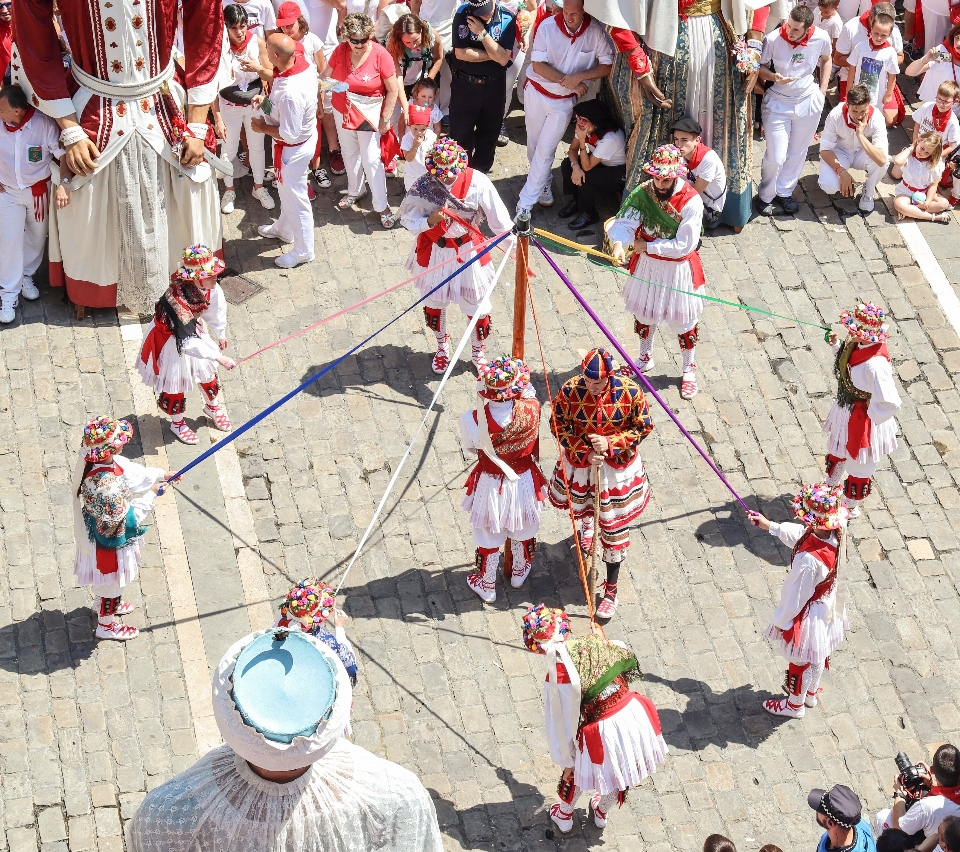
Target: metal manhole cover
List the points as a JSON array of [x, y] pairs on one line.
[[238, 287]]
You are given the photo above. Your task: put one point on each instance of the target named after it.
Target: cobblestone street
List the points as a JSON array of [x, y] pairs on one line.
[[446, 687]]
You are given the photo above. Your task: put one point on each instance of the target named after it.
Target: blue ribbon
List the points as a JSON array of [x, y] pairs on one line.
[[284, 399]]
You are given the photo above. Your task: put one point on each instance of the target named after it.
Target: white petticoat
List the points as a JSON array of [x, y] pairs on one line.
[[499, 505], [658, 304], [467, 289], [631, 752], [128, 564], [818, 639], [179, 372], [883, 436]]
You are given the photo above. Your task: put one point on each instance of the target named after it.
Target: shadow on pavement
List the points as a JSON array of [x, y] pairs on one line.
[[48, 641]]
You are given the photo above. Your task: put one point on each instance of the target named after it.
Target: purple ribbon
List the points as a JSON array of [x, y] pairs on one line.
[[650, 389]]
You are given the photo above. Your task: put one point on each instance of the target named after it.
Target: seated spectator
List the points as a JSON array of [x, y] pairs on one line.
[[595, 162], [942, 779], [839, 814], [706, 171], [922, 167]]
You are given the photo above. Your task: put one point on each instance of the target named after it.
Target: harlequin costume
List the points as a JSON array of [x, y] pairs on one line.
[[620, 414], [809, 624], [178, 352], [470, 196], [309, 605], [595, 724], [668, 273], [505, 489], [111, 497], [282, 702], [861, 423]]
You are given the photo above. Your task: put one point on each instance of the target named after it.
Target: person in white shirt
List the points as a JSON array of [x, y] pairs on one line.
[[236, 105], [936, 65], [874, 63], [938, 116], [292, 123], [705, 169], [936, 21], [596, 162], [857, 29], [569, 51], [417, 141], [439, 14], [921, 167], [28, 143], [827, 18], [854, 137], [261, 17], [792, 105]]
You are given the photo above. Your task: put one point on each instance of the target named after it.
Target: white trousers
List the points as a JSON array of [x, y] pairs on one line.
[[235, 118], [296, 212], [830, 182], [935, 29], [788, 140], [546, 121], [361, 155], [22, 239]]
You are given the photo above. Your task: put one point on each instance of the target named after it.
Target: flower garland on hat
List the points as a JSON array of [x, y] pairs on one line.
[[543, 626], [199, 262], [865, 322], [445, 159], [820, 505], [504, 378], [667, 162], [103, 437], [311, 602]]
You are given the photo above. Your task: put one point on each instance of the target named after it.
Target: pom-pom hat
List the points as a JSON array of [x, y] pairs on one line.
[[503, 378], [543, 626], [666, 162], [311, 602], [199, 262], [865, 322], [821, 505], [597, 364], [102, 437], [446, 159]]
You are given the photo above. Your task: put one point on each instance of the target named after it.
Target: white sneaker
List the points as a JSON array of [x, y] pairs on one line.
[[546, 197], [264, 198], [292, 259], [8, 313], [28, 289], [226, 203], [522, 211], [866, 204], [268, 232]]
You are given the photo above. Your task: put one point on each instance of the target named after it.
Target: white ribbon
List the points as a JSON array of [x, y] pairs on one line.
[[487, 445]]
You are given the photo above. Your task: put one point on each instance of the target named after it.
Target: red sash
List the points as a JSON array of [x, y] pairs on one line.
[[521, 460], [678, 202], [426, 240], [859, 426], [546, 93], [41, 198], [154, 344], [300, 65], [823, 552], [589, 734]]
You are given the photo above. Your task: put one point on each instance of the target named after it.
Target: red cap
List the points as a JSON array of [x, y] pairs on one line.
[[420, 115], [288, 13]]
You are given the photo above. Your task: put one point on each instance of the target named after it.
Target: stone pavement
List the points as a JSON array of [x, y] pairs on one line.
[[446, 687]]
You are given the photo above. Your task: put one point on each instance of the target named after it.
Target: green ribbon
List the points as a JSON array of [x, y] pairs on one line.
[[719, 301]]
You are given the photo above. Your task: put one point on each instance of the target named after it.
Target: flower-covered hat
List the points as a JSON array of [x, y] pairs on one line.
[[503, 378], [597, 364], [103, 437], [541, 626], [865, 322], [311, 602], [446, 159], [199, 262], [821, 505], [667, 162]]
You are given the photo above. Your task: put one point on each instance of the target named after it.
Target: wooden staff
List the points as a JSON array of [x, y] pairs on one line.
[[595, 544]]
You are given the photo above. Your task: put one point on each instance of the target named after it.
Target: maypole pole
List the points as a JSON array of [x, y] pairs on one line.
[[522, 231]]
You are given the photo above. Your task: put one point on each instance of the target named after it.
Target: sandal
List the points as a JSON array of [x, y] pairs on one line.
[[688, 385], [216, 414], [183, 432], [388, 219], [349, 200]]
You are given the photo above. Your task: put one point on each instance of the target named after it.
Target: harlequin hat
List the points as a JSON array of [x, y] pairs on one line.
[[288, 13], [503, 378], [281, 699], [543, 626], [666, 162], [597, 364], [445, 159], [310, 602], [103, 437], [865, 322], [821, 505], [199, 262]]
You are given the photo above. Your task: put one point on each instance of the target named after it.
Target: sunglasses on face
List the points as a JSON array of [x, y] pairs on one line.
[[359, 41], [6, 5]]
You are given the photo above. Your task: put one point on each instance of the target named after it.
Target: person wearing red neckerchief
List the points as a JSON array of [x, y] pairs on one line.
[[937, 116], [854, 137], [705, 169], [857, 29], [29, 141], [792, 105], [921, 167], [875, 64], [811, 619], [861, 425], [570, 51], [936, 65], [940, 789]]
